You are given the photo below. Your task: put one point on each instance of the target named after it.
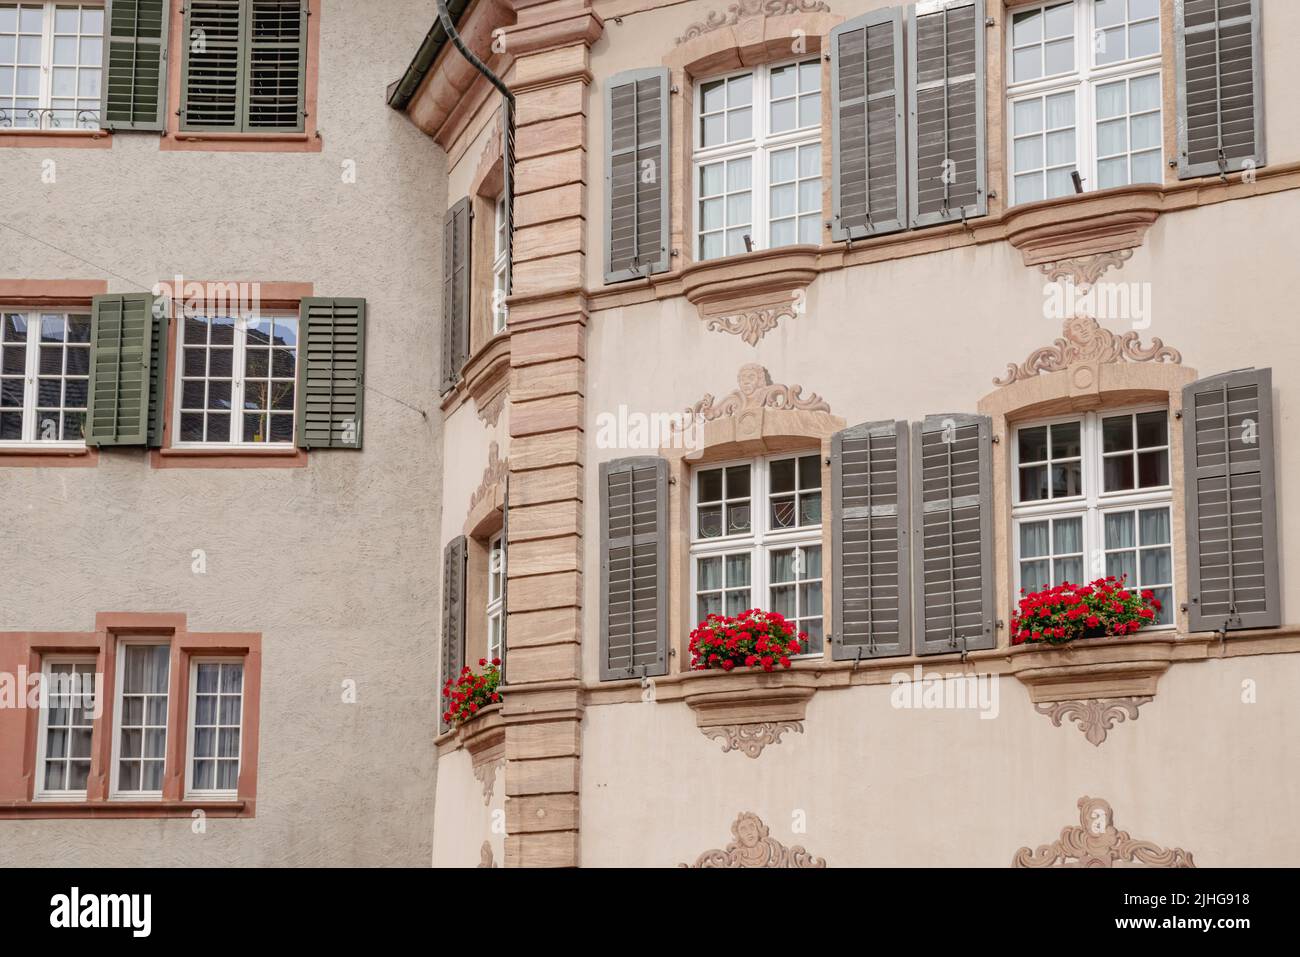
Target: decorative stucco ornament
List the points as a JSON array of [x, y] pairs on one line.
[[485, 855], [1094, 716], [751, 846], [752, 325], [489, 412], [755, 391], [1084, 340], [1085, 270], [748, 9], [1097, 843], [486, 773], [495, 472], [751, 738]]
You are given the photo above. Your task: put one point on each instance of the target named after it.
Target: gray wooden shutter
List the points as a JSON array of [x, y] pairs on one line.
[[213, 78], [952, 533], [636, 174], [868, 129], [946, 156], [135, 63], [1220, 86], [121, 336], [633, 567], [158, 373], [505, 575], [454, 557], [331, 373], [456, 251], [1232, 556], [870, 532], [277, 62]]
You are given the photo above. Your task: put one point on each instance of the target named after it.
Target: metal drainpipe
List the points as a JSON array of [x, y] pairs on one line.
[[508, 146]]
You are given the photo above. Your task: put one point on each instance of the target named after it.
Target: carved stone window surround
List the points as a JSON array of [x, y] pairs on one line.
[[484, 380], [480, 735]]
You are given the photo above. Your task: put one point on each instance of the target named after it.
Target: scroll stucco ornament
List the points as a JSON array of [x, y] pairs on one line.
[[486, 773], [485, 855], [753, 325], [1097, 843], [747, 9], [495, 472], [1085, 270], [755, 391], [1094, 716], [1084, 340], [753, 847], [751, 738]]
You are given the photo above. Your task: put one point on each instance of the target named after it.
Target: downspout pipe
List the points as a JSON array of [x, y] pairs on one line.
[[508, 131]]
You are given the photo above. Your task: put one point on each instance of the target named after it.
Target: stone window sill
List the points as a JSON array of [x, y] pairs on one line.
[[124, 809], [481, 732], [53, 139], [749, 294], [37, 457]]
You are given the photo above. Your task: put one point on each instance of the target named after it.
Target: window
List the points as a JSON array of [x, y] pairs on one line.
[[496, 594], [757, 540], [236, 386], [67, 725], [50, 65], [215, 720], [44, 377], [1093, 498], [1084, 96], [500, 264], [140, 744], [758, 159]]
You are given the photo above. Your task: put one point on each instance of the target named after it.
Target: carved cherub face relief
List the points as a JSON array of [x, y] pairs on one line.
[[749, 830], [751, 378]]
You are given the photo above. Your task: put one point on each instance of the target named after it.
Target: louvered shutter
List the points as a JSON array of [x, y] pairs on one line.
[[1220, 86], [946, 159], [633, 567], [1232, 556], [158, 373], [121, 336], [636, 174], [277, 61], [952, 534], [453, 618], [868, 131], [331, 373], [135, 59], [870, 532], [456, 251], [212, 84]]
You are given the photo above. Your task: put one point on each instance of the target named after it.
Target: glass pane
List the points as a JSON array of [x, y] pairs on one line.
[[783, 512], [1067, 480], [207, 678], [737, 601], [54, 779], [737, 570], [1118, 473], [1119, 530], [783, 475], [1067, 536], [1029, 153], [1069, 570], [740, 90], [1154, 526], [810, 509], [712, 96], [205, 709], [151, 776], [1027, 27], [1145, 167], [810, 472], [740, 125], [810, 598], [1144, 131], [738, 209], [738, 481], [1060, 149], [203, 775], [1112, 138], [783, 200], [227, 775], [1152, 429], [1059, 21], [1032, 444], [711, 179], [810, 76], [1117, 433], [1027, 64], [711, 214], [810, 110], [1033, 483], [782, 233], [1029, 188], [710, 521], [229, 711], [784, 116], [1144, 92], [1165, 616], [1109, 45], [228, 742], [1058, 57], [1028, 116], [783, 80], [708, 573], [1033, 539], [1034, 575], [1110, 100], [1157, 565], [709, 485], [1153, 469], [1112, 172], [735, 244], [713, 129], [739, 174], [1144, 38], [737, 519], [782, 565], [1065, 440], [783, 600], [1122, 565]]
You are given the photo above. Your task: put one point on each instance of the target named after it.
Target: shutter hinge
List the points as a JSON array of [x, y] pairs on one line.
[[996, 440], [990, 22], [1178, 413]]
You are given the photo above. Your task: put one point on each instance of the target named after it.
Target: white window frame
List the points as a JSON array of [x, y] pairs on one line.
[[32, 375], [41, 793], [45, 98], [1083, 82], [212, 794], [1094, 504], [758, 148], [500, 259], [496, 578], [115, 725], [238, 367], [761, 540]]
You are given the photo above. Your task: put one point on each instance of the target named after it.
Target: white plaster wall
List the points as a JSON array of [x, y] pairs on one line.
[[464, 820], [872, 785], [338, 564]]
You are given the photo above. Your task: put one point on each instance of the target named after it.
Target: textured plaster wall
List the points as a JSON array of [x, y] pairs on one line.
[[463, 820], [336, 564], [872, 785]]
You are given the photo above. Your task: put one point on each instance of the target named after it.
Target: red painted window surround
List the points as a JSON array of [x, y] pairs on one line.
[[19, 726]]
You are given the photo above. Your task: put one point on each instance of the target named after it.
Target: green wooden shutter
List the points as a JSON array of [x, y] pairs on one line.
[[135, 62], [331, 373], [633, 568], [636, 174], [454, 557], [457, 245], [870, 519], [1232, 555], [158, 373], [121, 336], [946, 161], [868, 129], [212, 84], [277, 62], [1220, 86], [952, 534]]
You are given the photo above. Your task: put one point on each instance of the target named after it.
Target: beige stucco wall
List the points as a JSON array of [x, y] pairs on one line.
[[873, 785], [464, 820], [337, 564]]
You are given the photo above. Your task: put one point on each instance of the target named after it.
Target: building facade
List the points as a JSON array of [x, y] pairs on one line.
[[871, 314], [265, 699]]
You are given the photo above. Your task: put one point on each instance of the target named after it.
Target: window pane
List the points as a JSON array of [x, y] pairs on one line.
[[1028, 116], [1027, 63], [1034, 576], [1154, 526], [1122, 565], [1032, 444], [1152, 429], [738, 481], [1153, 469], [783, 512], [810, 509], [740, 125], [1058, 57], [708, 573], [1119, 530], [737, 519], [1067, 480], [1144, 39], [737, 570], [783, 475], [1033, 483], [1059, 21], [1157, 565], [1065, 440], [1118, 473], [710, 521], [1033, 539], [1067, 536]]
